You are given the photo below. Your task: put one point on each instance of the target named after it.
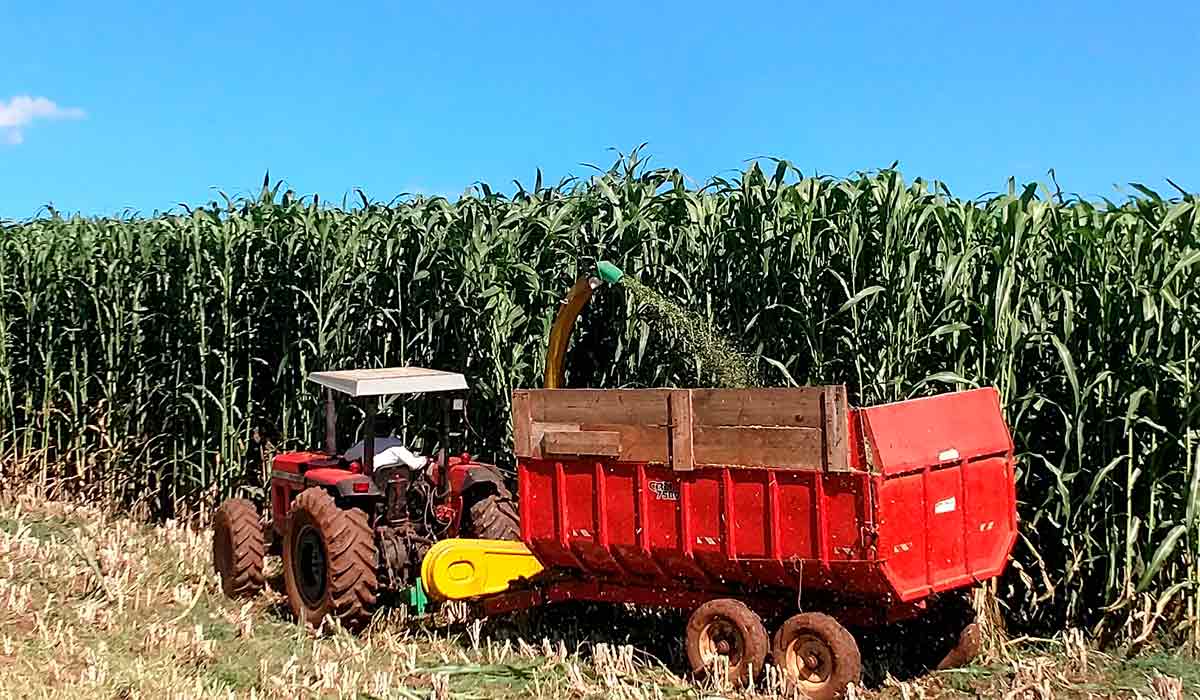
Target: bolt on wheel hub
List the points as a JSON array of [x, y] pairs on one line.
[[810, 660], [721, 638]]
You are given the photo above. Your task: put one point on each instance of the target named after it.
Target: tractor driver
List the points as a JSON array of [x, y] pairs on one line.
[[389, 450]]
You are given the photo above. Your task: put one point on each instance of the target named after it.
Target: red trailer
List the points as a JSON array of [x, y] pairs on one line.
[[745, 504]]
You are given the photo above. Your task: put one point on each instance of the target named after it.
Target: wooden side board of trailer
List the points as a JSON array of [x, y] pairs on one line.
[[791, 428]]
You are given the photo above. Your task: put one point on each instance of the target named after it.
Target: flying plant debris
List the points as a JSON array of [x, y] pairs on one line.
[[714, 352]]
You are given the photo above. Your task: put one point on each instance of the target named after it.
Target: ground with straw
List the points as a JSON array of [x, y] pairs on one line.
[[98, 605]]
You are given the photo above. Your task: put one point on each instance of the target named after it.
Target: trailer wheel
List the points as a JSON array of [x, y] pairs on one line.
[[953, 618], [966, 649], [238, 548], [726, 627], [817, 654], [329, 561]]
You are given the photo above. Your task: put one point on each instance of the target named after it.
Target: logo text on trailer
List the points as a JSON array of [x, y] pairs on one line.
[[664, 490]]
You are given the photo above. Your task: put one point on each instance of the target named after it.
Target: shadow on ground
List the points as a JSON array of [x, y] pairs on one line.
[[903, 651]]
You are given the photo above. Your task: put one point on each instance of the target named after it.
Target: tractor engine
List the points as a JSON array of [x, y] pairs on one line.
[[402, 533]]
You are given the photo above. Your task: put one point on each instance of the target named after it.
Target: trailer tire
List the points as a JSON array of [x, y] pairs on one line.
[[965, 650], [493, 517], [329, 561], [956, 630], [817, 655], [238, 548], [727, 627]]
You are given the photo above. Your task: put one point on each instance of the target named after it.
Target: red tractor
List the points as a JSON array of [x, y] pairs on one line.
[[352, 525]]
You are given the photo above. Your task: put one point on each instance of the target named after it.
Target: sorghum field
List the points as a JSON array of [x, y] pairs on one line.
[[149, 361]]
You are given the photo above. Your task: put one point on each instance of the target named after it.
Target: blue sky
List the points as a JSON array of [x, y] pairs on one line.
[[146, 105]]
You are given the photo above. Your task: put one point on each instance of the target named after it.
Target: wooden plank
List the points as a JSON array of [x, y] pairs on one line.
[[538, 430], [522, 424], [581, 443], [837, 446], [785, 448], [618, 406], [798, 407], [681, 448], [639, 443]]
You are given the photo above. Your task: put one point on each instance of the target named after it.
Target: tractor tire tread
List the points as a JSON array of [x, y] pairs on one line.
[[353, 580], [495, 517], [237, 526]]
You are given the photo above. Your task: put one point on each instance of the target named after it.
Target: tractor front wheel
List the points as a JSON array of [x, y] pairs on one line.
[[238, 548], [329, 561], [817, 654], [727, 628]]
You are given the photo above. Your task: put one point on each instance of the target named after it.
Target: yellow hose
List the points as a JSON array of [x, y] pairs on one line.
[[560, 332]]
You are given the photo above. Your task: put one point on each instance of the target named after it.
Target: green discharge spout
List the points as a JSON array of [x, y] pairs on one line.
[[608, 272]]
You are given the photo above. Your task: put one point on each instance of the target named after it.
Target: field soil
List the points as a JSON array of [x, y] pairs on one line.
[[96, 605]]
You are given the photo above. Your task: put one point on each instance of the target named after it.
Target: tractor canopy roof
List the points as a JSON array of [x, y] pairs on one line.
[[387, 381]]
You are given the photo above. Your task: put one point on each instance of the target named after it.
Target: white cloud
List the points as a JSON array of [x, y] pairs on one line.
[[19, 112]]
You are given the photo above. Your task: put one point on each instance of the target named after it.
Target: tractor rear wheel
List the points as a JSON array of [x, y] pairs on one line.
[[329, 561], [238, 548], [493, 517], [817, 655], [727, 628]]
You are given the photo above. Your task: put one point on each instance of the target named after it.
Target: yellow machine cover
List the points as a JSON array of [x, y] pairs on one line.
[[456, 569]]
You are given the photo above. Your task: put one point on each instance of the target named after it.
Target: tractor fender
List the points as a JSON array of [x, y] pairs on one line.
[[345, 488], [343, 483], [485, 474]]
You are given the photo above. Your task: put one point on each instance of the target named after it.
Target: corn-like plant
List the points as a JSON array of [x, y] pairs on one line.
[[139, 356]]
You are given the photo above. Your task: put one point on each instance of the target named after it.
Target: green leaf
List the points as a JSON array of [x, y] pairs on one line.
[[1176, 211], [944, 377], [946, 329], [1161, 555], [782, 370], [864, 294], [1193, 501], [1135, 400], [1146, 191], [1068, 364], [1101, 477], [1185, 262]]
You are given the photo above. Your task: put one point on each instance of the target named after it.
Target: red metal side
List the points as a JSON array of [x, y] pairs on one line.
[[713, 527], [291, 473], [945, 490]]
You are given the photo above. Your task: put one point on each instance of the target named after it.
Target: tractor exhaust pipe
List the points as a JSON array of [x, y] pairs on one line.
[[330, 424], [369, 440]]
